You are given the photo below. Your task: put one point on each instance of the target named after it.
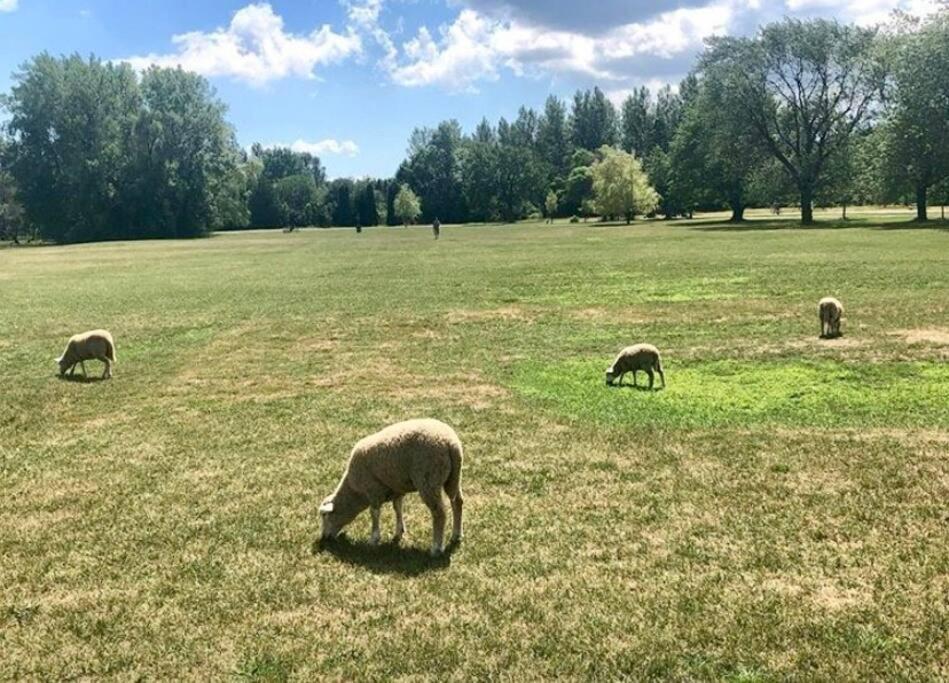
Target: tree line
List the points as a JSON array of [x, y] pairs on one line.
[[803, 113]]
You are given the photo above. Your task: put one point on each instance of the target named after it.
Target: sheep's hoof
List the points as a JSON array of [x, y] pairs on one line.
[[436, 551], [374, 539]]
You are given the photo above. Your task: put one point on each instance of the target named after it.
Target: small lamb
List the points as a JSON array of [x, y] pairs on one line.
[[93, 345], [830, 312], [634, 358], [416, 455]]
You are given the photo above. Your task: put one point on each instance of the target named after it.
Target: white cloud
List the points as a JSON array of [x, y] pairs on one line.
[[328, 146], [364, 17], [864, 12], [255, 48], [476, 47], [8, 5]]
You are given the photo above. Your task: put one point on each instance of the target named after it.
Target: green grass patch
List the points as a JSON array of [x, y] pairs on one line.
[[161, 526], [743, 393]]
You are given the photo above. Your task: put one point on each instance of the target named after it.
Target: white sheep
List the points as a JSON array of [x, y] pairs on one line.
[[92, 345], [634, 358], [830, 312], [416, 455]]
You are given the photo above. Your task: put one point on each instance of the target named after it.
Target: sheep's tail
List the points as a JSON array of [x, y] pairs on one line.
[[453, 485]]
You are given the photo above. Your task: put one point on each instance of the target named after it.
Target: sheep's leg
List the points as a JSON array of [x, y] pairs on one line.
[[83, 364], [456, 527], [634, 378], [662, 376], [399, 520], [433, 499], [375, 511], [107, 371], [72, 370], [651, 377]]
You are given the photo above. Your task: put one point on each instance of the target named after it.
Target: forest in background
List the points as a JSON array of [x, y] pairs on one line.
[[804, 113]]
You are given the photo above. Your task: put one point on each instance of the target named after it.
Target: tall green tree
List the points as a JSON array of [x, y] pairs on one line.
[[276, 164], [11, 211], [593, 120], [298, 200], [367, 204], [637, 124], [553, 137], [714, 150], [72, 122], [916, 136], [479, 176], [804, 86], [342, 197], [665, 119], [185, 148], [433, 171], [519, 181], [578, 188]]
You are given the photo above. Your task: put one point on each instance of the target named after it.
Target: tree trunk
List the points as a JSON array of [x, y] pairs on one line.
[[807, 205], [921, 203], [737, 204], [845, 211]]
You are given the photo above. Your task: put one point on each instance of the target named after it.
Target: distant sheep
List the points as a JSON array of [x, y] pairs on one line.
[[93, 345], [416, 455], [830, 312], [633, 359]]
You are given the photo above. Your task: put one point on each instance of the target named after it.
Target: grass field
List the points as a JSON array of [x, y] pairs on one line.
[[781, 510]]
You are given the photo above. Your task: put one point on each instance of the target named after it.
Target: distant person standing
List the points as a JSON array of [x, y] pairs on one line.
[[437, 227]]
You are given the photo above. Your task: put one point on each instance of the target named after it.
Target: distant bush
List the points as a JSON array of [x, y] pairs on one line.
[[574, 219]]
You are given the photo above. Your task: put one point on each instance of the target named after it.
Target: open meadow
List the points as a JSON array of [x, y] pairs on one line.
[[780, 510]]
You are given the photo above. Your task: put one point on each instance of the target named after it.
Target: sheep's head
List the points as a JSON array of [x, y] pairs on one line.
[[338, 510], [610, 377], [61, 362]]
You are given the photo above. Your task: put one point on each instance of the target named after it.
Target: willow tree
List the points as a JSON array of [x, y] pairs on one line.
[[408, 207], [621, 187]]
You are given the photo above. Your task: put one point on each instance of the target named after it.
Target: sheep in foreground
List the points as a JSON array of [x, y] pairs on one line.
[[416, 455], [93, 345], [830, 312], [633, 359]]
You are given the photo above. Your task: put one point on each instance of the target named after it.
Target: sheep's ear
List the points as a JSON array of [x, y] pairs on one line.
[[58, 360], [327, 506]]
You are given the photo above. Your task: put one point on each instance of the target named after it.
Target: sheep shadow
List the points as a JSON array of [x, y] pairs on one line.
[[636, 387], [385, 558], [80, 379]]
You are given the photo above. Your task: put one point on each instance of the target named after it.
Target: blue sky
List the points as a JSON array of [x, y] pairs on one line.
[[349, 79]]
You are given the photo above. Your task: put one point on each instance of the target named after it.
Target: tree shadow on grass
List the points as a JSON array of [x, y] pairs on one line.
[[795, 224], [385, 558]]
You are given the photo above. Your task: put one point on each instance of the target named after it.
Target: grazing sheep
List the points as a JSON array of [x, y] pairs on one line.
[[634, 358], [416, 455], [830, 312], [93, 345]]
